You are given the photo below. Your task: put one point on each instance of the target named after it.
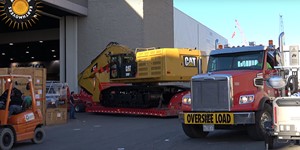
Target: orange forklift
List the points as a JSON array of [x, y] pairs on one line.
[[24, 125]]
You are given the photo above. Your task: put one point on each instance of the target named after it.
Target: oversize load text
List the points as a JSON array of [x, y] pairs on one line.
[[208, 118]]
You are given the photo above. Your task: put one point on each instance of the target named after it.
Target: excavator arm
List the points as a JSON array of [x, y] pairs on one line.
[[97, 74]]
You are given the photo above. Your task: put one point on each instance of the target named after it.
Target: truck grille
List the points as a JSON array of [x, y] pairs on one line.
[[211, 93]]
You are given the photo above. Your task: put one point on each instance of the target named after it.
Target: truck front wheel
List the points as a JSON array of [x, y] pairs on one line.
[[194, 131], [258, 131]]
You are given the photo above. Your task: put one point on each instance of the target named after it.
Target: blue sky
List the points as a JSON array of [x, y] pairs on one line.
[[258, 19]]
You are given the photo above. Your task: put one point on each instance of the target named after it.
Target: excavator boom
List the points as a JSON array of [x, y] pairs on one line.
[[97, 73]]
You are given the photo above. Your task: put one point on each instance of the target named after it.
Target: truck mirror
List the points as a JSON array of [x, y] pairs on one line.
[[276, 82], [286, 72]]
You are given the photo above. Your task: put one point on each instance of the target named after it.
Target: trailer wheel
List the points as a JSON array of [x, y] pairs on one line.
[[194, 131], [80, 108], [39, 135], [6, 138], [258, 131]]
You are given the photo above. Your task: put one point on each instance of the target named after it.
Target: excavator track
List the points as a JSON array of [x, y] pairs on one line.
[[139, 96]]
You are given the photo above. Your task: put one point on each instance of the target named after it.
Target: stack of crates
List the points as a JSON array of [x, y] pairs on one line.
[[52, 115], [3, 71], [56, 102], [39, 80]]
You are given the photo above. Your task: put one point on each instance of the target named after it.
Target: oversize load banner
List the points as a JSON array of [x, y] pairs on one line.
[[208, 118], [19, 13]]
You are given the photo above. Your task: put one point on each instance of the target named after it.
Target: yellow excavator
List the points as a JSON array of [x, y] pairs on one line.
[[144, 81]]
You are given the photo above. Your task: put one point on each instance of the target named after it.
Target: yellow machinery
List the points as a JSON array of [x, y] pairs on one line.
[[146, 78], [159, 65], [97, 73]]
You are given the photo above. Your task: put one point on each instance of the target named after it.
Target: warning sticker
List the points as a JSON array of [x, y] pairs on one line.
[[29, 117]]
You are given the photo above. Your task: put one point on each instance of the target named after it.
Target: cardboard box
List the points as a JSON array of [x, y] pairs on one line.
[[56, 116], [39, 80], [3, 71]]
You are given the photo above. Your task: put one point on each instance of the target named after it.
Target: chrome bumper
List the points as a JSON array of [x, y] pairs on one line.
[[287, 135]]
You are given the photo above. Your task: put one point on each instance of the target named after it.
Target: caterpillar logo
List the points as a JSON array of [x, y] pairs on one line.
[[20, 14], [190, 61]]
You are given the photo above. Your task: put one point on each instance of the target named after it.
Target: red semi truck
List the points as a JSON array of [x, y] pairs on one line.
[[234, 92]]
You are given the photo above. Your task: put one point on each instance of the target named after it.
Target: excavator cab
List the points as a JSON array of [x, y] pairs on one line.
[[122, 66], [22, 125]]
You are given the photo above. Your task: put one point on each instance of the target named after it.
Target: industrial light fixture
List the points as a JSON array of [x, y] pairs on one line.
[[11, 43], [3, 54], [54, 56], [32, 57], [11, 59], [27, 52], [53, 50]]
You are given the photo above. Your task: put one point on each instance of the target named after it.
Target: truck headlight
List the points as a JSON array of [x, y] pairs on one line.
[[246, 99], [186, 99], [287, 128]]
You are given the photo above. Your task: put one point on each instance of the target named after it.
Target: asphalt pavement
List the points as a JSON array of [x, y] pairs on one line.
[[123, 132]]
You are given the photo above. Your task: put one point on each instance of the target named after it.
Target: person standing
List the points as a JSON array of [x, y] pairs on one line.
[[72, 106]]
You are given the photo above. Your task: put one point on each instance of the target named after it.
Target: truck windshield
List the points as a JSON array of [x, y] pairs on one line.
[[236, 61]]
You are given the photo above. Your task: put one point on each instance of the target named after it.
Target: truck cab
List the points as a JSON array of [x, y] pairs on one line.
[[233, 93]]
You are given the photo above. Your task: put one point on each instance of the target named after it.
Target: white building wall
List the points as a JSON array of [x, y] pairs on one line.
[[189, 33], [135, 23], [71, 52], [158, 23]]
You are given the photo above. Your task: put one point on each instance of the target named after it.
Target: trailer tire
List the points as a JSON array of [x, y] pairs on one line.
[[39, 135], [258, 131], [194, 131], [6, 138], [80, 108]]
